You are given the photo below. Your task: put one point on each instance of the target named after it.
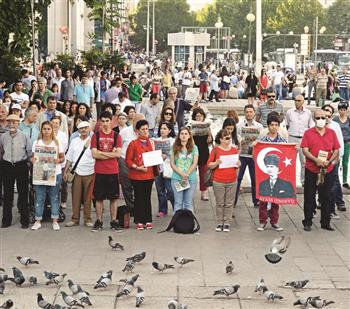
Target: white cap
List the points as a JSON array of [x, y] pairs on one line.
[[83, 124], [16, 106]]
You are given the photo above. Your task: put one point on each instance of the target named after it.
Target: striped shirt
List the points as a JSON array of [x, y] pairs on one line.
[[264, 109], [268, 139], [344, 80]]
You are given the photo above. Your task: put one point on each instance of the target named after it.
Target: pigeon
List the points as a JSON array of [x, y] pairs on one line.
[[319, 303], [7, 304], [54, 277], [73, 287], [33, 280], [115, 245], [70, 301], [137, 258], [18, 277], [131, 281], [130, 265], [182, 261], [297, 284], [278, 247], [26, 260], [270, 295], [83, 296], [42, 303], [140, 296], [2, 285], [259, 286], [173, 304], [126, 290], [162, 267], [305, 301], [229, 268], [230, 290], [104, 280]]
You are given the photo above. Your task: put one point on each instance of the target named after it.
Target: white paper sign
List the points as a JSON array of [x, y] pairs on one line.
[[152, 158], [228, 161]]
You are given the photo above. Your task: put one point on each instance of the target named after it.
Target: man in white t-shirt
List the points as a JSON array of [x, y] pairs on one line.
[[277, 78], [123, 101], [27, 79], [186, 81], [19, 96], [58, 79]]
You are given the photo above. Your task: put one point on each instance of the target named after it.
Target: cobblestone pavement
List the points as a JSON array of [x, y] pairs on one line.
[[320, 256]]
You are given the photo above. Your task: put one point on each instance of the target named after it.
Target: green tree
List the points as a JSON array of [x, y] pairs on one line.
[[170, 15], [105, 14], [338, 17], [101, 59]]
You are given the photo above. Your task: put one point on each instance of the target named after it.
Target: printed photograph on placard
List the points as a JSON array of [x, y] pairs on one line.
[[248, 135], [200, 128], [44, 166]]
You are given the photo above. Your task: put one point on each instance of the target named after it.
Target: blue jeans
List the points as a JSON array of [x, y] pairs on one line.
[[165, 193], [278, 89], [344, 93], [184, 199], [245, 161], [54, 197]]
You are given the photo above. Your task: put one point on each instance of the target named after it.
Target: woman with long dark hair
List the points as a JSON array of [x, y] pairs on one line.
[[230, 125], [263, 84], [184, 160], [251, 86]]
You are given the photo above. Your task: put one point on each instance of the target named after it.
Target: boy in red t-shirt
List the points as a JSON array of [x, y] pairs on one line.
[[106, 148]]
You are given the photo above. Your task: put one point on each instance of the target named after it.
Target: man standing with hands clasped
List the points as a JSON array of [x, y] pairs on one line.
[[321, 149], [106, 148]]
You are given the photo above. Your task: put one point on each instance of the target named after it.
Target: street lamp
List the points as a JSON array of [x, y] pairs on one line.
[[251, 18], [322, 30], [218, 25], [306, 29]]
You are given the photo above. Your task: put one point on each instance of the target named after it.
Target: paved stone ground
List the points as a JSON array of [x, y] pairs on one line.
[[320, 256]]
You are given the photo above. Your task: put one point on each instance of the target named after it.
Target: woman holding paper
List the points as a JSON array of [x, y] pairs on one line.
[[202, 142], [184, 160], [141, 175], [48, 140], [163, 181], [224, 161]]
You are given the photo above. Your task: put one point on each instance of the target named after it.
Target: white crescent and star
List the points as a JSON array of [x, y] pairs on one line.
[[264, 152]]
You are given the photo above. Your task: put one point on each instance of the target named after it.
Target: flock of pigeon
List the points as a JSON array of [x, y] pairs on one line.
[[79, 298]]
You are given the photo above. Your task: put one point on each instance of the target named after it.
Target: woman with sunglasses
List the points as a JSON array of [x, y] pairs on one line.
[[163, 181], [202, 142], [224, 179], [263, 83], [183, 161], [167, 115]]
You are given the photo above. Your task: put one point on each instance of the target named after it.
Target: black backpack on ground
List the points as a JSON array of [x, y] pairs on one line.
[[183, 222]]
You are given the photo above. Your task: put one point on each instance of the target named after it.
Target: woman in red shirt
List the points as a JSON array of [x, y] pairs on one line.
[[263, 83], [224, 179], [140, 176]]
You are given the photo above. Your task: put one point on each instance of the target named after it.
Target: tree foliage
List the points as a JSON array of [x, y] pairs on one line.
[[170, 15], [338, 17], [101, 59]]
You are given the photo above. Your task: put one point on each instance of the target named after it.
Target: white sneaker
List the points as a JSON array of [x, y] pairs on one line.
[[55, 226], [36, 226], [261, 227]]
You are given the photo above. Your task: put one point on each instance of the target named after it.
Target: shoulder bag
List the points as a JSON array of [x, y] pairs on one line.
[[209, 174], [71, 170]]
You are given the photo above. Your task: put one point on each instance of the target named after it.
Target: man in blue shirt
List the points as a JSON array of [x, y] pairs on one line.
[[84, 93]]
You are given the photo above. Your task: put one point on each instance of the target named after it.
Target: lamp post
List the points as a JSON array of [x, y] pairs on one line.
[[147, 33], [218, 25], [153, 30], [33, 35], [251, 18]]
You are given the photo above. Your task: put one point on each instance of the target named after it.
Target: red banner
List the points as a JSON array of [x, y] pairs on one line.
[[275, 172]]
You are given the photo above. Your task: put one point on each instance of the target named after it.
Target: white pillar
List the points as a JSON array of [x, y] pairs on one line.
[[258, 55]]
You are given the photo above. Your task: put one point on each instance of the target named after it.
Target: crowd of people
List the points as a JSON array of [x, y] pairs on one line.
[[103, 152]]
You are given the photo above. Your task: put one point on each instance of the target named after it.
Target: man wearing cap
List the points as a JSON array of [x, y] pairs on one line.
[[84, 173], [275, 186], [3, 129], [299, 119], [321, 149], [267, 107], [344, 121], [15, 151]]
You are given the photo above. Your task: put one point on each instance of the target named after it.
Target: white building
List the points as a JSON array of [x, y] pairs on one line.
[[74, 16], [188, 48]]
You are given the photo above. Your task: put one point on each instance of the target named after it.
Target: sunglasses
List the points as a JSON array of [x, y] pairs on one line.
[[271, 96], [318, 118], [168, 114], [227, 138]]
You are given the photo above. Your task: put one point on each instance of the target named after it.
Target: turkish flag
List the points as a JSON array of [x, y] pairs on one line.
[[275, 172]]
